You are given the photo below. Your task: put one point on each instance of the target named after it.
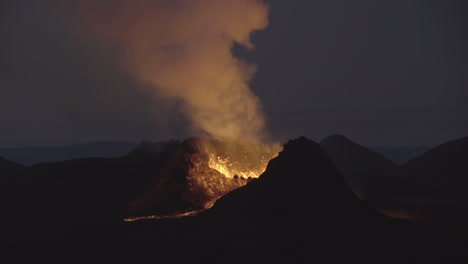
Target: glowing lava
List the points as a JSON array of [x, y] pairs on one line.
[[240, 159]]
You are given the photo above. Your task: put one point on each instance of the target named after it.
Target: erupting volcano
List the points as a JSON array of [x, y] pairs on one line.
[[210, 179], [198, 173], [182, 50]]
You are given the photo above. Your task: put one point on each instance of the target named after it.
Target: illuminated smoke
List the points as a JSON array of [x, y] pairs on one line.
[[183, 48]]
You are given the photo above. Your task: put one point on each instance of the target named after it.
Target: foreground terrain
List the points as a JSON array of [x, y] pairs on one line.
[[300, 209]]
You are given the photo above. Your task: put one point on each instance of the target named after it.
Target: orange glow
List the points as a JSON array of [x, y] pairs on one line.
[[232, 167], [147, 217], [401, 214], [240, 158]]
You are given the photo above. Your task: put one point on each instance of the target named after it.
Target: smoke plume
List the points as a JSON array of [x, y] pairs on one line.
[[183, 49]]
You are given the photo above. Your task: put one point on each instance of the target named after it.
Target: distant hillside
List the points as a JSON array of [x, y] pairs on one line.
[[400, 155], [358, 164], [444, 167], [431, 186], [350, 157], [98, 149]]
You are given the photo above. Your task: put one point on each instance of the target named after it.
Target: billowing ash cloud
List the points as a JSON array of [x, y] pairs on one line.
[[182, 49]]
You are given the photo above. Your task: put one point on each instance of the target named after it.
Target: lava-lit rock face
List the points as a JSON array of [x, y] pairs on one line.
[[206, 185], [185, 184]]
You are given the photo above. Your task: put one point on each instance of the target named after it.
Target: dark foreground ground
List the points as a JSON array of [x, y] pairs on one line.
[[282, 239]]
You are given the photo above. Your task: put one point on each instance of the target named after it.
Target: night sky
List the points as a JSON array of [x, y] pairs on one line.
[[386, 73]]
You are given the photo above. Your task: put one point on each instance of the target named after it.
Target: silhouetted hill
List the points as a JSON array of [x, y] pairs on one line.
[[301, 180], [98, 149]]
